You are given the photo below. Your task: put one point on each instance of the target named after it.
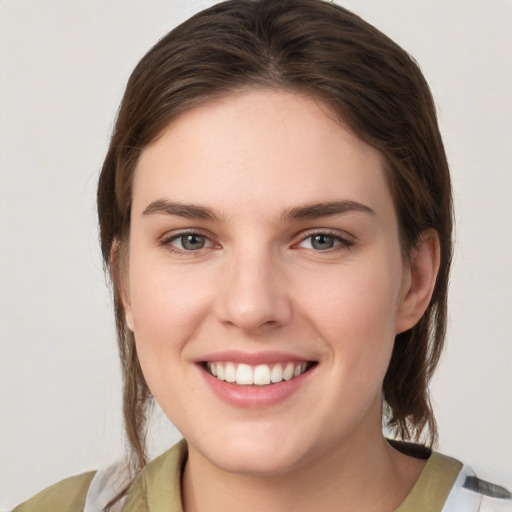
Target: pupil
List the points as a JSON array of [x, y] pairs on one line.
[[191, 242], [322, 242]]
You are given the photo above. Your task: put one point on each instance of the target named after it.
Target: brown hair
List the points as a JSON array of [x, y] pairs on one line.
[[375, 87]]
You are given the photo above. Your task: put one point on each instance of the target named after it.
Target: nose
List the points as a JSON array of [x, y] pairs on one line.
[[254, 295]]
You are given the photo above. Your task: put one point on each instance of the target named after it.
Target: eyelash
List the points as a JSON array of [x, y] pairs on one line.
[[340, 242], [343, 242], [167, 242]]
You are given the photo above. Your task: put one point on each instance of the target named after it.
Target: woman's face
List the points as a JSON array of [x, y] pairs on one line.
[[264, 248]]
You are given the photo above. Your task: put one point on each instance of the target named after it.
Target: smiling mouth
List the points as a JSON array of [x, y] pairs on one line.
[[243, 374]]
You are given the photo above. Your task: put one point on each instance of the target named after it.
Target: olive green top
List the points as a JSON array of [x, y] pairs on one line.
[[157, 488], [65, 496]]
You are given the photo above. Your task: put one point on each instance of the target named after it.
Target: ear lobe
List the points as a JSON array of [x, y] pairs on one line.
[[119, 272], [419, 284]]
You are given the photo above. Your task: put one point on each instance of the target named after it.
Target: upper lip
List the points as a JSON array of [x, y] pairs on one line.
[[252, 358]]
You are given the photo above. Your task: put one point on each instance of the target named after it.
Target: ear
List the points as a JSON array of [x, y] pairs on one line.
[[119, 272], [419, 279]]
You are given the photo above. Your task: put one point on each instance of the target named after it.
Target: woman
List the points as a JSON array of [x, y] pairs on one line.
[[275, 213]]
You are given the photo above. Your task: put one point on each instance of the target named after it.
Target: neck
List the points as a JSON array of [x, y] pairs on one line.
[[362, 474]]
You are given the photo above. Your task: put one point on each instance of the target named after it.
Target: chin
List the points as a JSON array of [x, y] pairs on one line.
[[261, 454], [257, 462]]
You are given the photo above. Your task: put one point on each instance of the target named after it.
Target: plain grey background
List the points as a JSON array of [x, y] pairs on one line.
[[63, 67]]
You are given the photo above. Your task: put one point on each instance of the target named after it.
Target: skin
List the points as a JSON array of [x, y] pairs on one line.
[[257, 284]]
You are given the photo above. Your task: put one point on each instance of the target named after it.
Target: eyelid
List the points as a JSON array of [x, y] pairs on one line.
[[165, 240], [346, 240]]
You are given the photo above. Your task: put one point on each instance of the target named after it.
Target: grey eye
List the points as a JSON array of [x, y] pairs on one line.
[[192, 242], [322, 242]]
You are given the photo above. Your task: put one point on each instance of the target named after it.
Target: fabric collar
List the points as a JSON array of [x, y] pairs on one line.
[[158, 487]]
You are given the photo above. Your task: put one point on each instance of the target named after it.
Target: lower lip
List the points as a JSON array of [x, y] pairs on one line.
[[254, 396]]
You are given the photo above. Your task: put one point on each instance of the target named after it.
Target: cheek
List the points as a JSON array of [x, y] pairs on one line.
[[165, 299], [165, 314], [360, 297], [169, 306], [355, 311]]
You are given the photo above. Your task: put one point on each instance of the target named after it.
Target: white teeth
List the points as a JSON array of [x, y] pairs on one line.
[[230, 372], [244, 374], [260, 375], [299, 369], [276, 375], [288, 371]]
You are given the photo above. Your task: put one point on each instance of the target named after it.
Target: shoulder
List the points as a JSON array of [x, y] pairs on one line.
[[470, 493], [447, 485], [65, 496], [158, 485]]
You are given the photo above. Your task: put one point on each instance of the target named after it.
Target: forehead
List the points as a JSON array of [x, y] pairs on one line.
[[259, 147]]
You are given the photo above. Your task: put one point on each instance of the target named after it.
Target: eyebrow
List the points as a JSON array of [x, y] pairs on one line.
[[305, 212], [324, 209], [189, 211]]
